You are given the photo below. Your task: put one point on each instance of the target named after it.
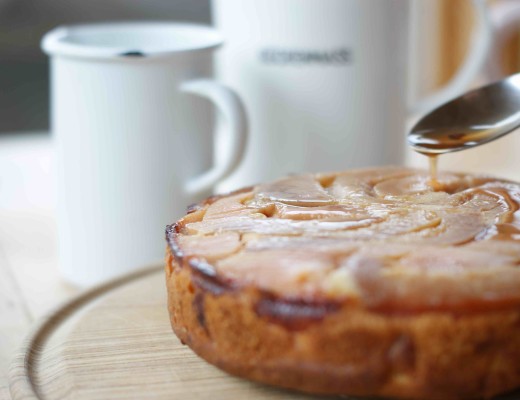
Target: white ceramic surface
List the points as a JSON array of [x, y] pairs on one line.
[[134, 147], [327, 82]]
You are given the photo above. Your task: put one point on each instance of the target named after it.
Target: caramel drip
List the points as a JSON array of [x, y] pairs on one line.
[[434, 183], [433, 167]]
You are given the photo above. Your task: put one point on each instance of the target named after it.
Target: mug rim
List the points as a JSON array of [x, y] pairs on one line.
[[83, 40]]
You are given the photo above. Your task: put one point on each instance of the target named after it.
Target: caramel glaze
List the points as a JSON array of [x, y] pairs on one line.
[[467, 229], [293, 314]]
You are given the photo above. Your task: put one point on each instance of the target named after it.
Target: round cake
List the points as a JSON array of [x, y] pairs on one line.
[[368, 282]]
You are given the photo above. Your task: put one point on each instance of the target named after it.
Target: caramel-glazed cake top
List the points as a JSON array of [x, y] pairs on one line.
[[383, 239]]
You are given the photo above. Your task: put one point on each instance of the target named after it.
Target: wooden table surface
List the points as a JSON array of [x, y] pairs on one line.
[[30, 284]]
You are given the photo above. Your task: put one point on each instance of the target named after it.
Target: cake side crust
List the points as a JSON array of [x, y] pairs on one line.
[[434, 355]]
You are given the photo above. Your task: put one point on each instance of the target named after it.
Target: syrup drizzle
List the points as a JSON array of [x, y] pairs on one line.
[[432, 158], [433, 164]]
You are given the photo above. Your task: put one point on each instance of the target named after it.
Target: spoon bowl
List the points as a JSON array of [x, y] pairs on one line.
[[475, 118]]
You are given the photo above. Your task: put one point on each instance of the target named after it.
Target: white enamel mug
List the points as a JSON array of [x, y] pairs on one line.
[[134, 146], [329, 83]]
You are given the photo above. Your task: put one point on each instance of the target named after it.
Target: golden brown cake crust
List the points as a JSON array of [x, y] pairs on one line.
[[339, 341]]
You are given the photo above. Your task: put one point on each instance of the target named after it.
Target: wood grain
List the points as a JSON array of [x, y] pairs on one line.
[[29, 278], [116, 342], [15, 316]]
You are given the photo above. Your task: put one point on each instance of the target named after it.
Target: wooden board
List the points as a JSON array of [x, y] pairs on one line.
[[115, 342]]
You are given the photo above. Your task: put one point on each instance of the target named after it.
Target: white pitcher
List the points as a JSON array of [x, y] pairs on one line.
[[328, 82]]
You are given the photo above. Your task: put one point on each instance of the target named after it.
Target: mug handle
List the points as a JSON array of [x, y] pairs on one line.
[[477, 55], [232, 108]]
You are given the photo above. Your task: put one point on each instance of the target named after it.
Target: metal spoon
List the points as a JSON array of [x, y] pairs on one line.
[[475, 118]]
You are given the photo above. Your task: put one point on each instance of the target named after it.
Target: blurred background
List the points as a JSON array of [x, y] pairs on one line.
[[24, 86], [24, 73]]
